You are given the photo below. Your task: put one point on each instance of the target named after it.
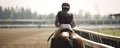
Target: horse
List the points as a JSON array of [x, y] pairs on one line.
[[63, 41]]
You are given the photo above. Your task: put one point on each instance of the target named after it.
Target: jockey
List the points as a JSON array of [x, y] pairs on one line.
[[64, 19]]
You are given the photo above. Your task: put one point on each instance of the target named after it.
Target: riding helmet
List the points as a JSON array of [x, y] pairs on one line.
[[65, 5]]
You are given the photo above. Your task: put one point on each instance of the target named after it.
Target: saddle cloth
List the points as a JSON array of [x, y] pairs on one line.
[[63, 26]]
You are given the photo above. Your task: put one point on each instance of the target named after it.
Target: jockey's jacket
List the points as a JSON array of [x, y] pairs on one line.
[[64, 17]]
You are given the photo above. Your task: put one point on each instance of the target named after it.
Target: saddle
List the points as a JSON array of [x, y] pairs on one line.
[[63, 30], [66, 30]]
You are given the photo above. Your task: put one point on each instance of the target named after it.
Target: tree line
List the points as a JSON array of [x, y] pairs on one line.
[[22, 13]]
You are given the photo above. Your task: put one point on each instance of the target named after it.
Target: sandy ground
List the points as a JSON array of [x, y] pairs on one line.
[[25, 37]]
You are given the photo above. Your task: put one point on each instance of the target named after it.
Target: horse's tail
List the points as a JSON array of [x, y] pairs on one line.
[[69, 43]]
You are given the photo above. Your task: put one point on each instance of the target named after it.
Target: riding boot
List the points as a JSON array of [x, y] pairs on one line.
[[52, 40]]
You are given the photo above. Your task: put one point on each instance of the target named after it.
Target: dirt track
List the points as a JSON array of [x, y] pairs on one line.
[[25, 37]]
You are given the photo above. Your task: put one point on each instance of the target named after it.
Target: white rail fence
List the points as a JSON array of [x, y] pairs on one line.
[[102, 40]]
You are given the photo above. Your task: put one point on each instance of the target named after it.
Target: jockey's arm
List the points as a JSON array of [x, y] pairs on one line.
[[73, 23], [56, 22]]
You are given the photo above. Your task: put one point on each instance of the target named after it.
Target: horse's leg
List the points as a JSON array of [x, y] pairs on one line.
[[54, 38]]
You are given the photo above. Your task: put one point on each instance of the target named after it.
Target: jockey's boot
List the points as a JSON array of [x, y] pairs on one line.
[[52, 40]]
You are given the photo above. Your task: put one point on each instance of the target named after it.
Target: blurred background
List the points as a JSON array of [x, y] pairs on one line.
[[38, 13], [41, 13], [28, 23]]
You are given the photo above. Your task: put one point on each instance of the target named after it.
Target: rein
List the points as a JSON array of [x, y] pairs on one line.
[[50, 36]]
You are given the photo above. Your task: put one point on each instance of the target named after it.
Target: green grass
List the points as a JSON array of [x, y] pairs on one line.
[[115, 32]]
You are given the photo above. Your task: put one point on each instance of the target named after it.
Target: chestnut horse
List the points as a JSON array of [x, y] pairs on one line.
[[63, 41]]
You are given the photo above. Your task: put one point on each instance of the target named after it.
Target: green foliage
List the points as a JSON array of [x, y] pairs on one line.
[[22, 13], [115, 32], [16, 13], [81, 18]]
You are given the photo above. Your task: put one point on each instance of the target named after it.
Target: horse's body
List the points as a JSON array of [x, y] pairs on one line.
[[63, 41]]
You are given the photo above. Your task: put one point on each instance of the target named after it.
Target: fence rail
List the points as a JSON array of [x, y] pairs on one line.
[[100, 38], [91, 44]]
